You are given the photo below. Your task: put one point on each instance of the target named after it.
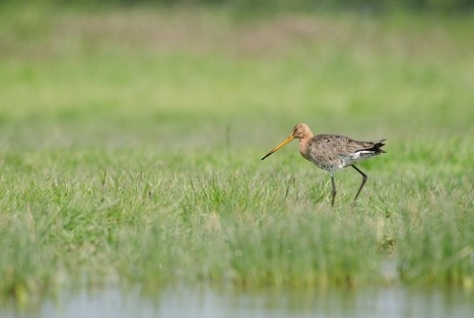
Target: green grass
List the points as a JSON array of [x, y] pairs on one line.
[[131, 141]]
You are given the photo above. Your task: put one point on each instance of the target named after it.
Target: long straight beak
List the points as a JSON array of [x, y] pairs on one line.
[[288, 140]]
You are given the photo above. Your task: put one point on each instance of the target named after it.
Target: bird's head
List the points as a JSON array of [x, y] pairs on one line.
[[300, 131]]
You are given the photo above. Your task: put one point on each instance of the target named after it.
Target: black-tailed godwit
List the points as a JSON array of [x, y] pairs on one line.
[[332, 152]]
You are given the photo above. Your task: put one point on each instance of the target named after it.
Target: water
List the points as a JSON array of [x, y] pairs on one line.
[[209, 302]]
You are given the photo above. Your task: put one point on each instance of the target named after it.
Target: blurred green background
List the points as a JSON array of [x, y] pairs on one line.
[[363, 69]]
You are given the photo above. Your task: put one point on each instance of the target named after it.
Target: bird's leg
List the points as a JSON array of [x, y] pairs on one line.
[[334, 192], [364, 179]]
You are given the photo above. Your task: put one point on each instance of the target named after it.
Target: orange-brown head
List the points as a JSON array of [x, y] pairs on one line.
[[300, 131]]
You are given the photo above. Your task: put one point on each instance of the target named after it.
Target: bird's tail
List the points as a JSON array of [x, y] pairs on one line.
[[377, 147]]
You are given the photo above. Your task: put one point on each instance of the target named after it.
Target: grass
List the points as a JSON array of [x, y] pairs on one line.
[[130, 145]]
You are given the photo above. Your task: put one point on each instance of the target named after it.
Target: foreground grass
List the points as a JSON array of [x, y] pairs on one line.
[[139, 161], [95, 216]]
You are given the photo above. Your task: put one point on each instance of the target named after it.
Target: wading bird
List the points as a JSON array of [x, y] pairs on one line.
[[332, 152]]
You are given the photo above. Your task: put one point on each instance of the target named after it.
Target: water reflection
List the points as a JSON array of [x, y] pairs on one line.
[[211, 302]]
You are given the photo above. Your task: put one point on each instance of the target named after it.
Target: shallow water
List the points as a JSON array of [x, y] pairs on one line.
[[209, 302]]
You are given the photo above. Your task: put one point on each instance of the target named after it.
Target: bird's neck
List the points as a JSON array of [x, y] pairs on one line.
[[304, 146]]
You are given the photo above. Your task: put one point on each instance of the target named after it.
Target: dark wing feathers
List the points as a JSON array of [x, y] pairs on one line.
[[345, 146]]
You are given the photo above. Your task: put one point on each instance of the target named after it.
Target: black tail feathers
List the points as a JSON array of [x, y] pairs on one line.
[[377, 148]]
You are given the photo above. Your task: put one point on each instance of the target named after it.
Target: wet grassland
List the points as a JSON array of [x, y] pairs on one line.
[[131, 141]]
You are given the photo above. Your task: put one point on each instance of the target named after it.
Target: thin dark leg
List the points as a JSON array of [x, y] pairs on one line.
[[334, 192], [364, 179]]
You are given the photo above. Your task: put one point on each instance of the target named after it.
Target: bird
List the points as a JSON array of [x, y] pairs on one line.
[[332, 152]]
